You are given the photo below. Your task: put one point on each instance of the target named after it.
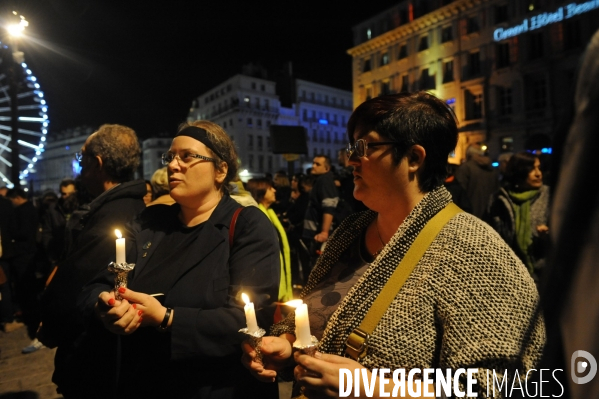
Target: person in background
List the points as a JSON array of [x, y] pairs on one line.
[[458, 194], [161, 189], [519, 212], [318, 220], [301, 185], [108, 159], [399, 145], [283, 193], [3, 191], [239, 193], [149, 193], [183, 341], [503, 160], [8, 226], [23, 263], [479, 178], [264, 193], [55, 219]]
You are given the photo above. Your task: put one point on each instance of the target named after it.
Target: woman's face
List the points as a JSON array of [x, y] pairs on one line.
[[376, 178], [534, 180], [269, 197], [193, 181], [148, 196], [294, 184]]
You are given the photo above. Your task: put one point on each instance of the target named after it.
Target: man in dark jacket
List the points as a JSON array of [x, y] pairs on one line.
[[478, 178], [318, 222], [108, 161]]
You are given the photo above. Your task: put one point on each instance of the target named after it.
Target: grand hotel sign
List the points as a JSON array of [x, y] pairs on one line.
[[544, 19]]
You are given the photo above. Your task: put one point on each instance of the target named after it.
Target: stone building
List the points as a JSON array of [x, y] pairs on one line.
[[507, 68]]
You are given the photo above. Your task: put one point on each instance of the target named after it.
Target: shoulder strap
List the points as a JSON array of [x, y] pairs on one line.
[[357, 341], [232, 226]]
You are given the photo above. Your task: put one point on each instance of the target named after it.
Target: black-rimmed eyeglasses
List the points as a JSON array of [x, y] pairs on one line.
[[186, 158], [361, 146]]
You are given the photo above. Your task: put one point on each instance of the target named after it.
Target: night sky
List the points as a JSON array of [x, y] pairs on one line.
[[140, 65]]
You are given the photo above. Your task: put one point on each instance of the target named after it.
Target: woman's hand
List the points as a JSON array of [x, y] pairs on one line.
[[319, 375], [119, 317], [276, 354], [152, 309]]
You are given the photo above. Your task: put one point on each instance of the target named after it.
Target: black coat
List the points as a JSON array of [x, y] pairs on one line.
[[8, 226], [200, 355], [93, 249]]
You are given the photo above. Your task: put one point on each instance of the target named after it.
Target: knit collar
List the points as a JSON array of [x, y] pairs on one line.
[[355, 305]]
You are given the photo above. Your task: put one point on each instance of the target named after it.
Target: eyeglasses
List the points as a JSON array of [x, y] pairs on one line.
[[185, 159], [361, 146], [78, 156]]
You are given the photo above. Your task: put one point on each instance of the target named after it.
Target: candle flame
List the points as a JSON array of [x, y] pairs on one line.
[[118, 233], [245, 298], [294, 303]]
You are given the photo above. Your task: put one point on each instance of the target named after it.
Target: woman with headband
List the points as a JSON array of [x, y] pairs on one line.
[[179, 317]]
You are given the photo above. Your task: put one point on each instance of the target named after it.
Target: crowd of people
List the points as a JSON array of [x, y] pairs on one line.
[[460, 282]]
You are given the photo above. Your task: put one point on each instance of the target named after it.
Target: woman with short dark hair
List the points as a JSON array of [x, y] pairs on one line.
[[520, 211], [466, 302]]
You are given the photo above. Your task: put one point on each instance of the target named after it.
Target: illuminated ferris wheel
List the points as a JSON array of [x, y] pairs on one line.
[[32, 124]]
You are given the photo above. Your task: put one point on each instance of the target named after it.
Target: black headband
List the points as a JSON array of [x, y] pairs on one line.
[[200, 135]]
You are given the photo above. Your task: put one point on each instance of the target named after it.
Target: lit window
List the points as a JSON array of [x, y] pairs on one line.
[[385, 59]]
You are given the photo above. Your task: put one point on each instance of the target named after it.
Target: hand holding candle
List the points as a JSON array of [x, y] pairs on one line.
[[120, 268], [303, 337], [252, 330]]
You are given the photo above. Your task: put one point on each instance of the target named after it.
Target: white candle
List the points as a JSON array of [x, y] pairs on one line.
[[120, 247], [250, 314], [302, 325]]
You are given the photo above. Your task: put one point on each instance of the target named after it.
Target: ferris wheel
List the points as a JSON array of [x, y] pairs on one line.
[[32, 124]]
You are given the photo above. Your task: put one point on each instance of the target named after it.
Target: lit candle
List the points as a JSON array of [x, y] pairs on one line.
[[120, 248], [250, 314], [302, 323]]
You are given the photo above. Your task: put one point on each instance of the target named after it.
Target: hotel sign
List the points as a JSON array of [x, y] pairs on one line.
[[544, 19]]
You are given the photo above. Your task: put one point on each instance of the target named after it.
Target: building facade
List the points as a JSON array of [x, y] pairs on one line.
[[506, 68], [151, 154], [246, 106], [324, 112]]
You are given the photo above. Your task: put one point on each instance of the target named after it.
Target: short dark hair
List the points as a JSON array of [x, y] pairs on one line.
[[223, 144], [411, 119], [16, 192], [327, 159], [518, 168], [258, 187], [66, 182], [118, 147]]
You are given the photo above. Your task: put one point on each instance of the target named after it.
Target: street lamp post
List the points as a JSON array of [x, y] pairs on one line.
[[14, 61]]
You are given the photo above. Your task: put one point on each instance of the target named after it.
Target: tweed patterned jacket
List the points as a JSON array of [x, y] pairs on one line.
[[469, 302]]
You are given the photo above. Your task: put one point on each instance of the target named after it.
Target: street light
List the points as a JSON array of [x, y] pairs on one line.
[[15, 30]]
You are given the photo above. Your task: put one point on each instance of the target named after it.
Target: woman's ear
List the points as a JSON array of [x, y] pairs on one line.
[[416, 156], [221, 173]]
